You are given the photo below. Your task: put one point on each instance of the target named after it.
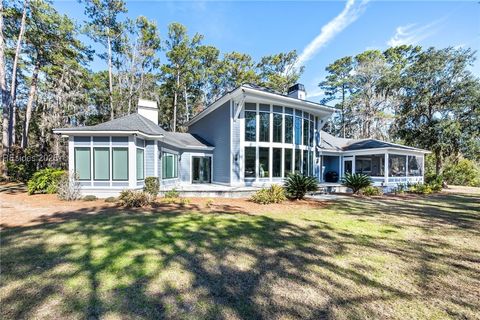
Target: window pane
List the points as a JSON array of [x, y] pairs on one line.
[[305, 163], [250, 125], [169, 166], [288, 129], [298, 130], [305, 131], [310, 163], [312, 131], [140, 164], [277, 162], [101, 163], [82, 163], [298, 160], [277, 127], [397, 166], [250, 155], [120, 163], [288, 161], [415, 165], [264, 133], [263, 162]]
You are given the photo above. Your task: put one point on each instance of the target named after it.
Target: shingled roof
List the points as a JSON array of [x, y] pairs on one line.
[[329, 142], [129, 123], [185, 140]]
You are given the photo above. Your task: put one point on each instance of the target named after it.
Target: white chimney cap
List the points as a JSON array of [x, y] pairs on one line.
[[147, 103], [148, 109]]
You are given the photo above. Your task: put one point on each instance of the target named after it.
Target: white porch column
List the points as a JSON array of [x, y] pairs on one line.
[[132, 162], [71, 156], [385, 165]]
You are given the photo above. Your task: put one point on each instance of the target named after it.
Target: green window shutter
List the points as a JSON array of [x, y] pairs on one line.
[[101, 163], [82, 163], [120, 163], [140, 164]]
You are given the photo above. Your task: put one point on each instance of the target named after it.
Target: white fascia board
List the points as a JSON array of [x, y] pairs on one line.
[[187, 147], [105, 133], [400, 151], [214, 106]]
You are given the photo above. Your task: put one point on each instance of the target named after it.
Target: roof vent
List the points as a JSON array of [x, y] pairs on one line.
[[148, 109], [297, 91]]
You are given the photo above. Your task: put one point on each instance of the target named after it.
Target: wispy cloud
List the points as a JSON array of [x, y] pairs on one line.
[[349, 14], [412, 33]]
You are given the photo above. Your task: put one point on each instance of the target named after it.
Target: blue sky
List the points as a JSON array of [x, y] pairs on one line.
[[320, 31]]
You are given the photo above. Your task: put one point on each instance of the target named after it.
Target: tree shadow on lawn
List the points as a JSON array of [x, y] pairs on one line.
[[157, 264]]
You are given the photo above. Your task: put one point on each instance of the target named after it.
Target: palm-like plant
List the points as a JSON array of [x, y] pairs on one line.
[[356, 181], [298, 185]]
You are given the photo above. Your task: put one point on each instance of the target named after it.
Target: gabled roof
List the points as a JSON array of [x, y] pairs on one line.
[[131, 123], [268, 95], [329, 142]]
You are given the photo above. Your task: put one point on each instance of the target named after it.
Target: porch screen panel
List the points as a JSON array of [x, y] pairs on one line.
[[288, 162], [250, 125], [120, 163], [82, 163], [277, 127], [415, 166], [263, 156], [288, 129], [101, 163], [140, 164], [276, 162], [264, 127], [250, 156], [397, 165]]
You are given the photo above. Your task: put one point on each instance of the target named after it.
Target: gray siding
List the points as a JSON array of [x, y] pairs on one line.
[[236, 151], [149, 158], [215, 129]]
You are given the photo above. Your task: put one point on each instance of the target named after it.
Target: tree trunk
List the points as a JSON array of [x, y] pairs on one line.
[[175, 102], [31, 98], [438, 162], [343, 110], [13, 87], [3, 88], [186, 103], [110, 77]]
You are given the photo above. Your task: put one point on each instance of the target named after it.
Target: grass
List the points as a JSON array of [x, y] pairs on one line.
[[354, 258]]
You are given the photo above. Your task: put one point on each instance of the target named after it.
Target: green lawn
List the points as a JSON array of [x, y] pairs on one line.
[[415, 258]]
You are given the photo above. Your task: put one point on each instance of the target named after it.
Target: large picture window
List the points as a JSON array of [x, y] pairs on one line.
[[264, 127], [397, 165], [298, 160], [277, 127], [276, 162], [250, 125], [312, 132], [101, 163], [298, 130], [288, 129], [305, 163], [140, 164], [305, 131], [120, 163], [263, 168], [250, 156], [288, 162], [82, 163], [415, 166], [169, 166]]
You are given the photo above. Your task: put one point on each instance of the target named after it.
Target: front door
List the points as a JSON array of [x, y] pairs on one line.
[[201, 169], [347, 166]]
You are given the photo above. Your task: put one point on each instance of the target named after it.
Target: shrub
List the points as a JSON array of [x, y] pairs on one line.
[[209, 203], [111, 199], [274, 194], [356, 181], [420, 188], [45, 181], [371, 191], [297, 185], [463, 173], [172, 194], [131, 198], [152, 185], [68, 188], [89, 197], [184, 201]]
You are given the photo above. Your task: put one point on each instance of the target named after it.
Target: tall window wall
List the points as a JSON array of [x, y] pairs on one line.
[[278, 140]]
